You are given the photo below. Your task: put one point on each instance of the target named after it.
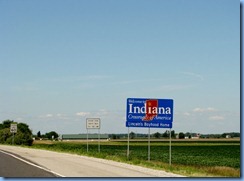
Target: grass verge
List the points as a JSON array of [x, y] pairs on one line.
[[192, 160]]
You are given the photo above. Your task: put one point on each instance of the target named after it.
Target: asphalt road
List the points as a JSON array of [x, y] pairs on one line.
[[10, 166], [69, 165]]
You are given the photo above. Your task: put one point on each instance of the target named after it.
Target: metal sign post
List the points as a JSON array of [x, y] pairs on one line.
[[170, 146], [87, 140], [99, 140], [128, 143], [13, 129], [13, 139], [149, 144]]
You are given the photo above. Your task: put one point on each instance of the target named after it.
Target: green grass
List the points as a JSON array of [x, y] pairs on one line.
[[196, 159]]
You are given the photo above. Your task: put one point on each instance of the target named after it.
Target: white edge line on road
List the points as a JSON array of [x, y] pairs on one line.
[[32, 164]]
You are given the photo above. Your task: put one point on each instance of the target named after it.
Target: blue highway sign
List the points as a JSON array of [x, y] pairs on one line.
[[153, 113]]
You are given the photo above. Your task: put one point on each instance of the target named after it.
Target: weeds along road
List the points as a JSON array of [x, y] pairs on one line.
[[69, 165]]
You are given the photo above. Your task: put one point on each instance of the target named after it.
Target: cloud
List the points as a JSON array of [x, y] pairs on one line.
[[62, 116], [27, 87], [59, 115], [53, 116], [209, 109], [103, 112], [173, 87], [49, 115], [186, 114], [82, 114], [216, 118], [95, 77], [79, 78], [19, 119], [99, 113], [193, 75]]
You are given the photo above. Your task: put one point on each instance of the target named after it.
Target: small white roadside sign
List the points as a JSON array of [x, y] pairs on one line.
[[93, 123], [13, 128]]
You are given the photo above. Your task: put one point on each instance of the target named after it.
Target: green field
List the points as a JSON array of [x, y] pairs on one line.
[[220, 158]]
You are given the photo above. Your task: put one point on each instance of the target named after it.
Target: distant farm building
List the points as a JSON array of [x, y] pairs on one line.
[[83, 136]]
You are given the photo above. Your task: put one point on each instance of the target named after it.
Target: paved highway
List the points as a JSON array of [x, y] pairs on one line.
[[69, 165], [12, 166]]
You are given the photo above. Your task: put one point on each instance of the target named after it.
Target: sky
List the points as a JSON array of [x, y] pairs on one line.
[[64, 61]]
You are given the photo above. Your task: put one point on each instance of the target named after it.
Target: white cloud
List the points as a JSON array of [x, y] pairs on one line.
[[216, 118], [186, 114], [27, 87], [79, 78], [83, 114], [95, 77], [99, 113], [62, 116], [102, 112], [19, 119], [209, 109], [193, 75], [174, 87], [49, 115]]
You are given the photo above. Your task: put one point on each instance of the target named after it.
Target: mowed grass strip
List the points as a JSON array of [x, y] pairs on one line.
[[196, 159]]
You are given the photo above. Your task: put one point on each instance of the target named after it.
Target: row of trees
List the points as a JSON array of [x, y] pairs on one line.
[[180, 135], [133, 135], [24, 134], [22, 137], [166, 134], [50, 135]]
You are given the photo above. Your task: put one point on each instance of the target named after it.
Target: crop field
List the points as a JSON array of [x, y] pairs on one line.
[[191, 158]]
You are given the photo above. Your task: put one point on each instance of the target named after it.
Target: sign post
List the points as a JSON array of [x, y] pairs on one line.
[[149, 113], [128, 143], [86, 139], [99, 140], [149, 144], [93, 123], [170, 146], [13, 129]]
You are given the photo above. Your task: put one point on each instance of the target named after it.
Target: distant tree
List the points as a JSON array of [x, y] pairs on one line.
[[51, 134], [172, 134], [39, 134], [157, 135], [115, 136], [166, 134], [23, 135], [4, 135], [7, 123], [24, 128], [236, 134], [181, 135], [22, 139], [187, 134], [132, 135]]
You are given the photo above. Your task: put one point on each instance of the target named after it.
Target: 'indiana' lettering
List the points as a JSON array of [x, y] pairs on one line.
[[151, 110]]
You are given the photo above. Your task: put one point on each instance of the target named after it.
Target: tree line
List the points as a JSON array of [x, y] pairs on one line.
[[24, 135], [50, 135], [179, 135]]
